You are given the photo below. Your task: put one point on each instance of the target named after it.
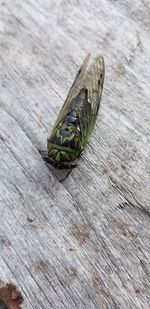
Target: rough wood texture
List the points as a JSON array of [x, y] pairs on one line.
[[83, 243]]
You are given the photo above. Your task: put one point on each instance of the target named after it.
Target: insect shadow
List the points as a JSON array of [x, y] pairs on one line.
[[61, 175]]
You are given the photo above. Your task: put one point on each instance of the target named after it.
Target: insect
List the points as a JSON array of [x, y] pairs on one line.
[[77, 117]]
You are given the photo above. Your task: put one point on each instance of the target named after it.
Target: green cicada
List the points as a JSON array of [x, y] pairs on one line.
[[77, 117]]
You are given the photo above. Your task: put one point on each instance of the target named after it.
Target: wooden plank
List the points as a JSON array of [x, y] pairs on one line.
[[82, 243]]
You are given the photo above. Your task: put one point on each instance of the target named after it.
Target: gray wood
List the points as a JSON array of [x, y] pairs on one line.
[[85, 242]]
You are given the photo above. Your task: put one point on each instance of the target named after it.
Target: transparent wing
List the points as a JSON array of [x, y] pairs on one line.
[[85, 95], [67, 106], [93, 86]]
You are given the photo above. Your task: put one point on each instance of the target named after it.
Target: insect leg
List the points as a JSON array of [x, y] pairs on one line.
[[44, 155], [66, 175]]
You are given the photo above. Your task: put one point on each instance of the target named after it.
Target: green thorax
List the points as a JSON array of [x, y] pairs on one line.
[[64, 144]]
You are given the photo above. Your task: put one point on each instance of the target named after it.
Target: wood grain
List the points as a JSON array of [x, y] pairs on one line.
[[82, 243]]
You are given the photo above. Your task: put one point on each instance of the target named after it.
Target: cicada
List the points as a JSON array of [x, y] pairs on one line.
[[77, 117]]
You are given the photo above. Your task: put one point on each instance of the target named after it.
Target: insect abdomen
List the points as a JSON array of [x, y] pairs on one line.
[[71, 119]]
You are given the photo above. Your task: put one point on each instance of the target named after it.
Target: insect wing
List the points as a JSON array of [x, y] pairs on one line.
[[85, 96], [67, 106], [92, 90]]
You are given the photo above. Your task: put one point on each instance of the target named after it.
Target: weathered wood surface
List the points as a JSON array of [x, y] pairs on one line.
[[83, 243]]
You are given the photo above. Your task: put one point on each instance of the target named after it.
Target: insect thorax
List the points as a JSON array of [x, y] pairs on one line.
[[64, 144]]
